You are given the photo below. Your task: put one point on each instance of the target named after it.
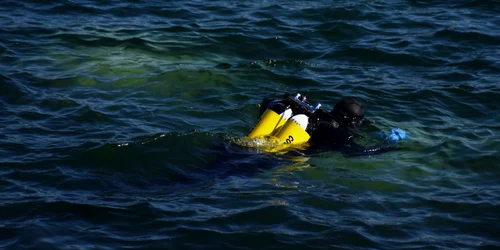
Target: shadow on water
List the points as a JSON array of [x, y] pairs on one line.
[[172, 160]]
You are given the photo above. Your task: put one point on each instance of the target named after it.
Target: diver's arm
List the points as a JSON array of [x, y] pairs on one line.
[[389, 143], [327, 135]]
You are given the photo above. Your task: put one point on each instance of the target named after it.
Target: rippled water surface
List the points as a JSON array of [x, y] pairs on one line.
[[119, 122]]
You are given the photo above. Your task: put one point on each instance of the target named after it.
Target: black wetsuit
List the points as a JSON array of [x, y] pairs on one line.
[[327, 131]]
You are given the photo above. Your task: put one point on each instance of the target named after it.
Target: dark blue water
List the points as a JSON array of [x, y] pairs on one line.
[[119, 122]]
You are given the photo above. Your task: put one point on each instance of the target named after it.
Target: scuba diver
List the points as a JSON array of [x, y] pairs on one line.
[[288, 129], [293, 121]]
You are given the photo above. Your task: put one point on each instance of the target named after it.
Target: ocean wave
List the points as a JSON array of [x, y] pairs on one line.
[[374, 55], [121, 121], [466, 37]]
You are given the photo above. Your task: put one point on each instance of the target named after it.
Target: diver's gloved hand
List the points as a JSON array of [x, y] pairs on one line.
[[397, 134]]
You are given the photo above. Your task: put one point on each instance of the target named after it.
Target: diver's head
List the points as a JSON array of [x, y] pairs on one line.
[[348, 112]]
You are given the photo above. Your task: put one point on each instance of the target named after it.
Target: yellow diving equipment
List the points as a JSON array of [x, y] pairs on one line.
[[269, 123], [276, 130], [294, 130]]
